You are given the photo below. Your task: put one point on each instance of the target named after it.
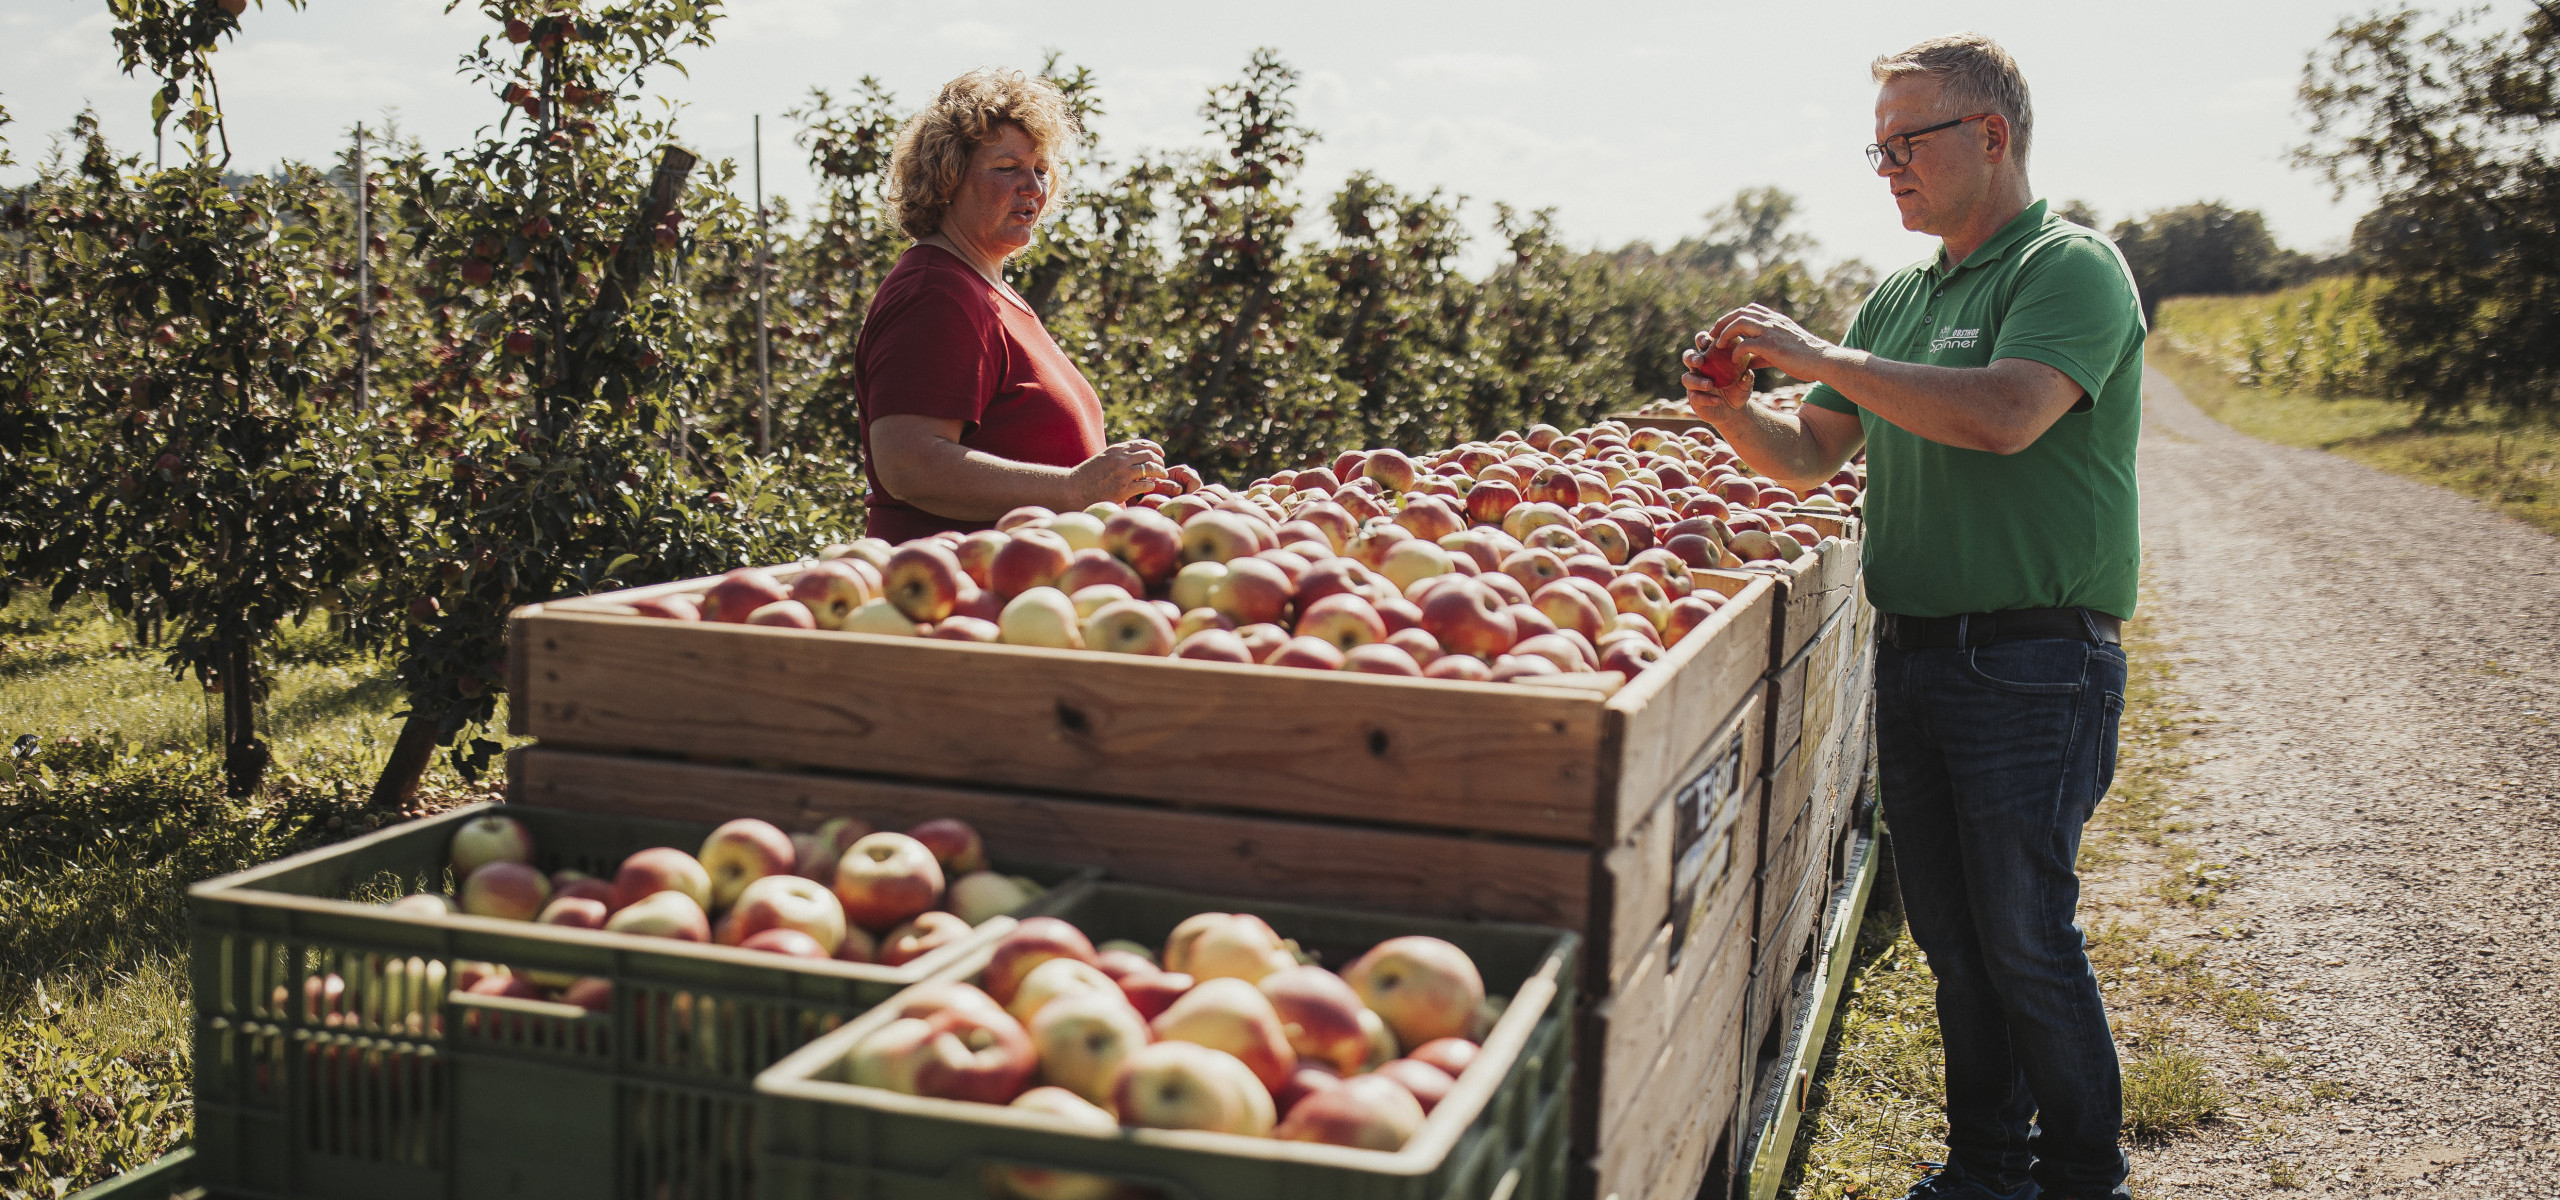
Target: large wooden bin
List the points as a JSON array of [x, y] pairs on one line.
[[1598, 811]]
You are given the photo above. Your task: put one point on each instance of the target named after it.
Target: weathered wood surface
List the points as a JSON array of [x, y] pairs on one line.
[[1479, 757], [1244, 856], [1668, 1109]]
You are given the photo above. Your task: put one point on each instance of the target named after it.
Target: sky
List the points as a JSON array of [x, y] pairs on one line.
[[1631, 120]]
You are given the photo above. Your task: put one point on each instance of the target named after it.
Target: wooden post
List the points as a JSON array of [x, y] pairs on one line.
[[764, 262], [364, 279]]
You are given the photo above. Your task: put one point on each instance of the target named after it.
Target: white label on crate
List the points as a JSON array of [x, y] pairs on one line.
[[1706, 808]]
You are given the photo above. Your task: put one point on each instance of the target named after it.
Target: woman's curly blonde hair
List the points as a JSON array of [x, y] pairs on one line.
[[934, 145]]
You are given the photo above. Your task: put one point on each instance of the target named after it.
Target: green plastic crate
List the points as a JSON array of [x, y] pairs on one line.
[[400, 1088], [823, 1138]]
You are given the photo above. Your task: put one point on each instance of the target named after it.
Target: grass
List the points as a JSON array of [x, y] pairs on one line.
[[115, 810], [2507, 462], [1876, 1108]]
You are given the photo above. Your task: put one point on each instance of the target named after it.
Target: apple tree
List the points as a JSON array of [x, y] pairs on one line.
[[557, 430], [1242, 367]]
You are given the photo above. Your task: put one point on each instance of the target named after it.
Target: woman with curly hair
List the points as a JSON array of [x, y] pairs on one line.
[[969, 409]]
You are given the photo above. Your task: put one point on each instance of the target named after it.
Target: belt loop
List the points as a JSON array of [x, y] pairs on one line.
[[1964, 641], [2088, 624]]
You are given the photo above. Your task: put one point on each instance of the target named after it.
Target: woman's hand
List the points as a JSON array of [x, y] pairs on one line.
[[1122, 470]]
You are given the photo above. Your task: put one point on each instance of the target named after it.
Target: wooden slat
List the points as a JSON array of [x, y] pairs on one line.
[[1252, 857], [1479, 757], [1662, 995], [1631, 895], [1664, 1141], [1663, 717]]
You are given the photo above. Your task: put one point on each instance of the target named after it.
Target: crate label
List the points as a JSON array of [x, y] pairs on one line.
[[1702, 848]]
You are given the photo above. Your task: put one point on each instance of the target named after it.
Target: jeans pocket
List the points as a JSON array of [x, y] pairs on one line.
[[2030, 666]]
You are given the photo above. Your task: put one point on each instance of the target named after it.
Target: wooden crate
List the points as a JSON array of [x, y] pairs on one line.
[[1544, 762]]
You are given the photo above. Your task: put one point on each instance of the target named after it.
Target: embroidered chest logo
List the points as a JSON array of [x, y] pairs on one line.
[[1951, 338]]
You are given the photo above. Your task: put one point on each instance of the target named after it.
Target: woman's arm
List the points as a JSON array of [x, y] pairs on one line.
[[920, 460]]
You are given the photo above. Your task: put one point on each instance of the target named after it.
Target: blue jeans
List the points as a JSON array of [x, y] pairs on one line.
[[1991, 761]]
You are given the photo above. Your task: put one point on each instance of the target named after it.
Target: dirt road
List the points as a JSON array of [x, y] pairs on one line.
[[2384, 658]]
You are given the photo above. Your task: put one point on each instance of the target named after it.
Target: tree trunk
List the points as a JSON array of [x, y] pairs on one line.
[[244, 754], [410, 755]]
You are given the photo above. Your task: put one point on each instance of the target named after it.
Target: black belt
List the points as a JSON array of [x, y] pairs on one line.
[[1977, 629]]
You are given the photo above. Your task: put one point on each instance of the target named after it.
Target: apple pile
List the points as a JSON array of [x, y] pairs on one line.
[[1537, 553], [843, 891], [1228, 1030]]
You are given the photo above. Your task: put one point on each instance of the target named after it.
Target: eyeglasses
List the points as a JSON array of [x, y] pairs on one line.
[[1897, 149]]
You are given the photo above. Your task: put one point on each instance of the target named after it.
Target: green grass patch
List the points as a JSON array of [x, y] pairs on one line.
[[1877, 1108], [114, 812], [2511, 464]]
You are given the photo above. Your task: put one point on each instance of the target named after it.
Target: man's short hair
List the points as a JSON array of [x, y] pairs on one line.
[[1972, 71]]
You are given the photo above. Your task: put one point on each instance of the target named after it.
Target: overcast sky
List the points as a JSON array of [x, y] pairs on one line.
[[1629, 119]]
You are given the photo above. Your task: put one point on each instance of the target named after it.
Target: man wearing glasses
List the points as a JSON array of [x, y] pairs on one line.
[[1997, 390]]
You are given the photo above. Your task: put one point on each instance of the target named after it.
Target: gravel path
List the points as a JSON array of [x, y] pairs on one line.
[[2384, 659]]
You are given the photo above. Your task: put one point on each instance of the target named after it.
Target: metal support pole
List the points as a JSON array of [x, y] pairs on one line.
[[764, 341], [364, 279]]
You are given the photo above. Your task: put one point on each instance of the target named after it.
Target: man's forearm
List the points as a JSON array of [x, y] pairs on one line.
[[2000, 409], [1775, 444]]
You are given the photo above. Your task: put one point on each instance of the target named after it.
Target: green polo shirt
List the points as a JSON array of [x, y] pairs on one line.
[[2055, 525]]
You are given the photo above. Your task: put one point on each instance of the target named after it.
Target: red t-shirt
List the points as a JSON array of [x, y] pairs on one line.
[[943, 342]]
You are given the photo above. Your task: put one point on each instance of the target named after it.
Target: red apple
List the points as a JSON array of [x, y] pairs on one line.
[[1685, 614], [1466, 618], [1152, 991], [666, 914], [886, 879], [1418, 643], [784, 902], [1254, 591], [1641, 595], [1429, 1084], [790, 942], [660, 869], [1570, 608], [486, 839], [1629, 656], [1341, 621], [1218, 536], [1213, 645], [1030, 558], [1146, 540], [1490, 500], [1129, 627], [1370, 1112], [1234, 1016], [924, 580], [1262, 641], [1320, 1015], [1084, 1038], [1180, 1085], [740, 852], [1389, 469], [671, 608], [1451, 1054], [1027, 945], [1026, 515], [831, 590], [739, 594], [928, 932], [1465, 667], [1423, 987], [954, 844], [1094, 567], [507, 890], [574, 912], [1380, 658]]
